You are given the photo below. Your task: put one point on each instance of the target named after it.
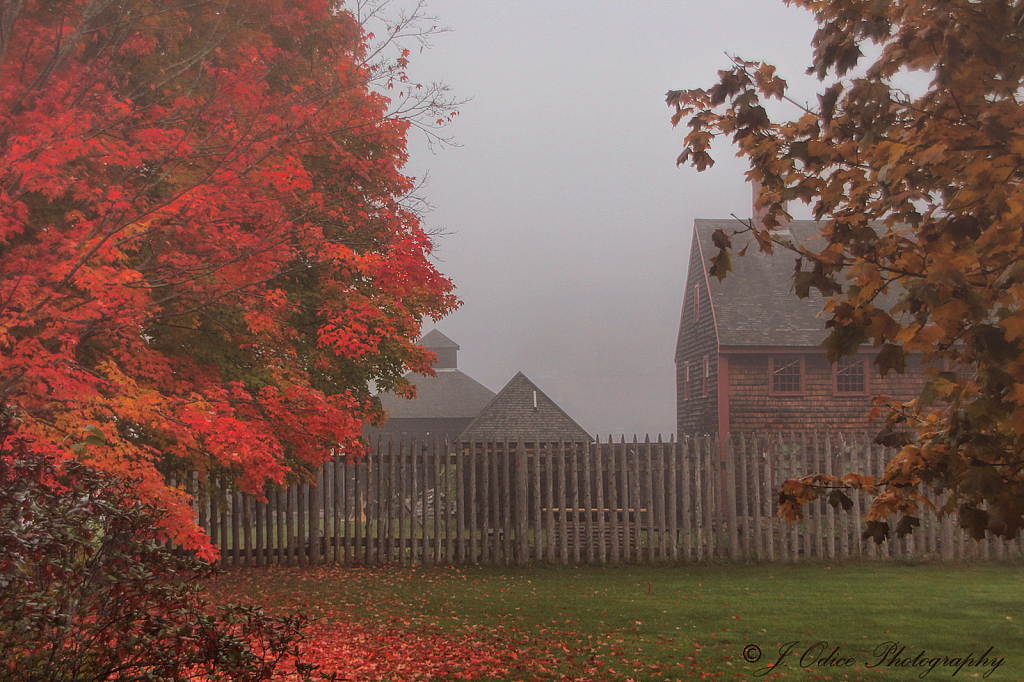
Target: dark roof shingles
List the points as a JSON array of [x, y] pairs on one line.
[[755, 305], [435, 339], [448, 394], [511, 415]]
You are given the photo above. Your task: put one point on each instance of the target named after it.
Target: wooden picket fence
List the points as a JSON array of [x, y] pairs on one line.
[[695, 499]]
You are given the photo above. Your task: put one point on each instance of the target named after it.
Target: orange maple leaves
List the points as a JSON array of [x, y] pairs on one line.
[[921, 197]]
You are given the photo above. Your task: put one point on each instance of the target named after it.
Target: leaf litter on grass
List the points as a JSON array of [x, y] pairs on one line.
[[367, 629]]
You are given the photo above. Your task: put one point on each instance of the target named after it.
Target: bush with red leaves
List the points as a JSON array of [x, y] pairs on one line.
[[89, 592]]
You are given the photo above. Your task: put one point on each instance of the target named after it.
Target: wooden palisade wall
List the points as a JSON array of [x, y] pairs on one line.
[[434, 502]]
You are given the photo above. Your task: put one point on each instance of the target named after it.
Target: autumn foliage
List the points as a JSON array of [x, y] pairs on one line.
[[90, 591], [921, 200], [206, 251]]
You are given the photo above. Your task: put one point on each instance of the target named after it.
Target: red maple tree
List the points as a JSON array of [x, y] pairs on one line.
[[206, 250]]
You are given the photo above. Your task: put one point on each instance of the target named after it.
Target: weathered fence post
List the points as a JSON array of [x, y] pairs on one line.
[[520, 509], [588, 505], [757, 461], [314, 524], [486, 520], [437, 502], [505, 503], [404, 524], [602, 549], [549, 504], [700, 493], [414, 555], [461, 494], [647, 495], [770, 465], [450, 468], [474, 526], [535, 501], [563, 539], [635, 503], [673, 499], [830, 516], [686, 459], [730, 498], [236, 527], [575, 491], [614, 474]]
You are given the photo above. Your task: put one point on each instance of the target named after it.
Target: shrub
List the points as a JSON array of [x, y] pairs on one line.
[[88, 590]]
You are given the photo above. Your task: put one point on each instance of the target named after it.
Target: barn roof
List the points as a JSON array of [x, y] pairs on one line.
[[522, 412], [449, 394]]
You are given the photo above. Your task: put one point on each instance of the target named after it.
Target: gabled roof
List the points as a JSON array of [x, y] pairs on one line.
[[755, 305], [522, 412]]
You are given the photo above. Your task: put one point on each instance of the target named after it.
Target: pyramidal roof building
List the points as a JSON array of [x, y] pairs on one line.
[[453, 405], [445, 404], [521, 412]]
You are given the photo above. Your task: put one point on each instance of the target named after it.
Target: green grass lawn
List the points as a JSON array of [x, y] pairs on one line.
[[658, 623]]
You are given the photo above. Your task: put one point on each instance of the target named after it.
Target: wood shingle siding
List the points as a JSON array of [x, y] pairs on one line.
[[761, 346]]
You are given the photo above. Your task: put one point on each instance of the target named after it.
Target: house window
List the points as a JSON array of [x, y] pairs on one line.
[[686, 381], [707, 375], [696, 302], [850, 376], [787, 375]]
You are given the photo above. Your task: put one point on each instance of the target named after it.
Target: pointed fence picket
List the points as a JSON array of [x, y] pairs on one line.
[[416, 502]]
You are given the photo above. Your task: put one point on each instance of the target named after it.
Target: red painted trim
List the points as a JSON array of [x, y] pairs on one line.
[[781, 350]]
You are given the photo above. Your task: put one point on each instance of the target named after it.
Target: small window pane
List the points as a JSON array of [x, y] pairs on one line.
[[786, 375], [850, 376]]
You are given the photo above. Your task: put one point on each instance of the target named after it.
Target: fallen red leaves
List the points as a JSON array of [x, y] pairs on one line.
[[408, 639], [354, 651]]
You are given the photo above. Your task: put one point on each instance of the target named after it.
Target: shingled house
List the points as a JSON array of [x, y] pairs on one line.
[[748, 356], [445, 403]]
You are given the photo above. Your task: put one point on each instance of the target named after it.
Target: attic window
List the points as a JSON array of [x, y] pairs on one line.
[[850, 376], [686, 381], [787, 375], [696, 302]]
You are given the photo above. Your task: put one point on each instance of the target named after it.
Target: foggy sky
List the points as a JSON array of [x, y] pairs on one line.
[[568, 224]]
